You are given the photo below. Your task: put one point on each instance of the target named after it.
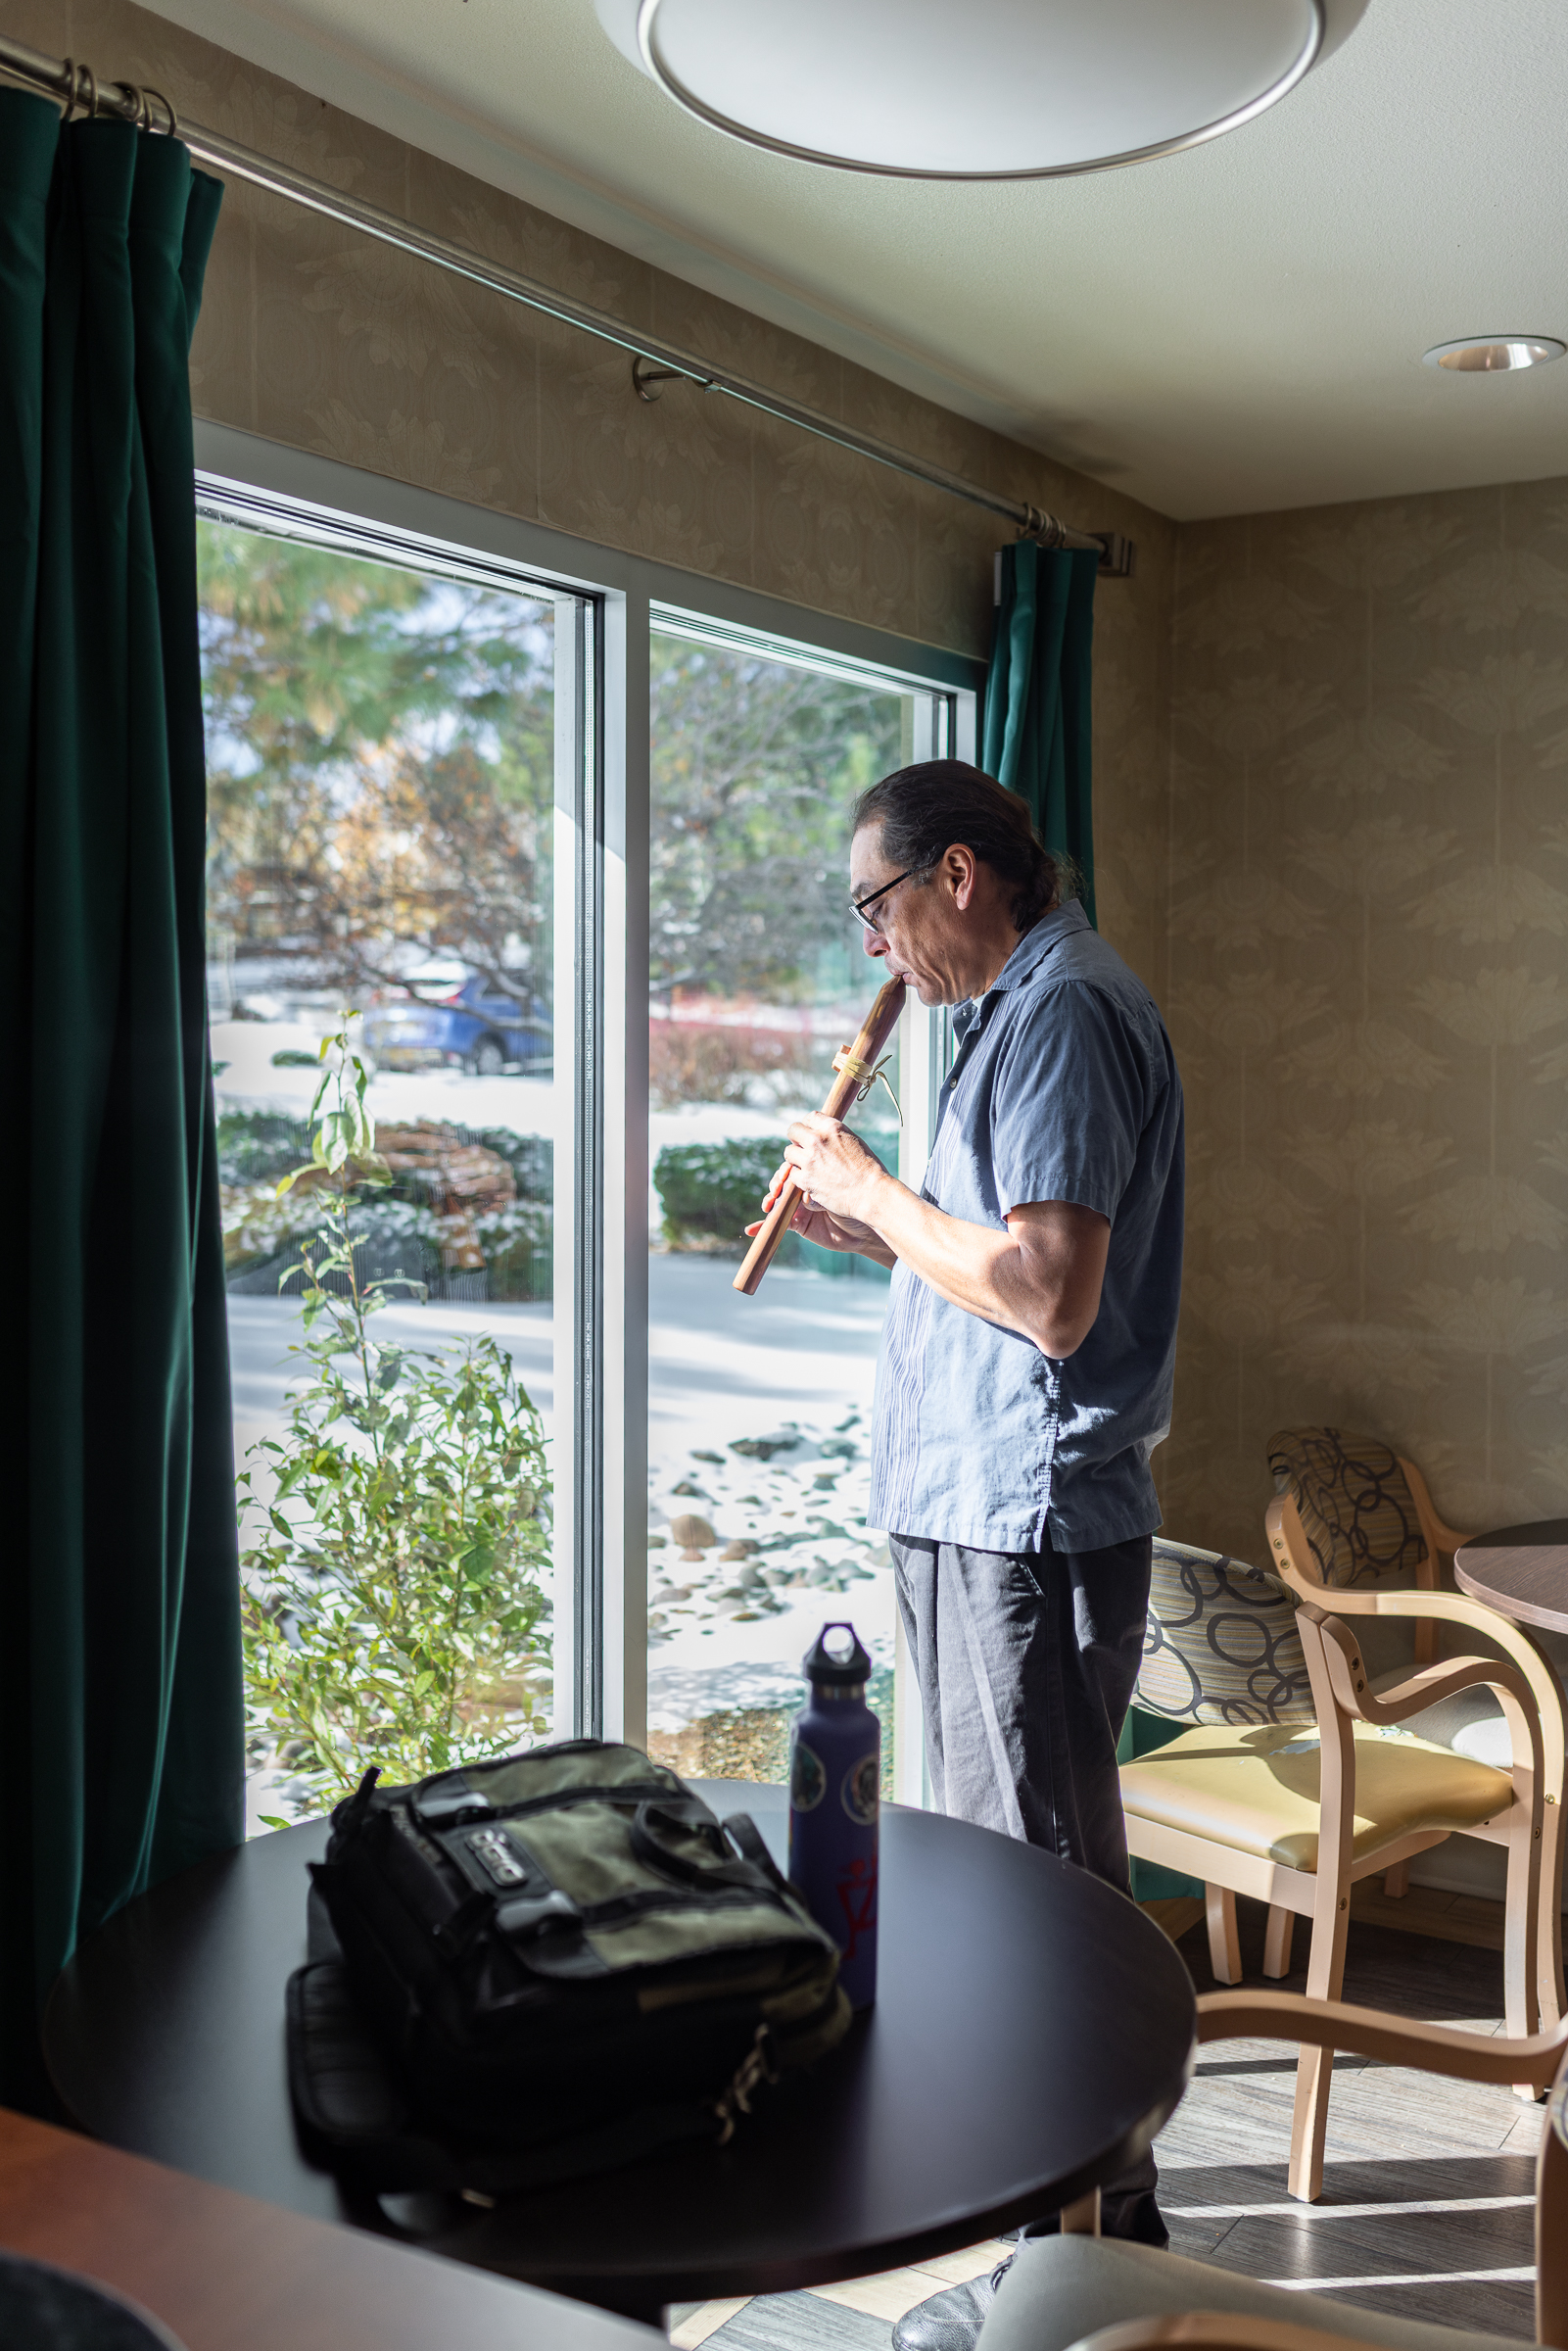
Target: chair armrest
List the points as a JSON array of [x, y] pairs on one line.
[[1372, 2033], [1445, 1608], [1424, 1688], [1221, 2331], [1431, 1684]]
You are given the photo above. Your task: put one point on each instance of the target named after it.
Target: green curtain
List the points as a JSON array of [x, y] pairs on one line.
[[121, 1713], [1037, 715]]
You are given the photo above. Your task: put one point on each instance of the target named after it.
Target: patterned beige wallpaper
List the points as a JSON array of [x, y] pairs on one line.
[[1368, 903]]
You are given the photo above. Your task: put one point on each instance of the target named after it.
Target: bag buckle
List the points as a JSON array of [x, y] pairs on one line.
[[521, 1919], [752, 2071]]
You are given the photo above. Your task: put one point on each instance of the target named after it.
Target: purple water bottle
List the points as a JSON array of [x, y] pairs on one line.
[[835, 1766]]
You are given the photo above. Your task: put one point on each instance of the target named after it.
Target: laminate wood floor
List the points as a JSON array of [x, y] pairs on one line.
[[1429, 2186]]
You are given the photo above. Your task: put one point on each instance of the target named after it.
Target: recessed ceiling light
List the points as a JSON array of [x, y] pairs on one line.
[[1494, 355], [997, 90]]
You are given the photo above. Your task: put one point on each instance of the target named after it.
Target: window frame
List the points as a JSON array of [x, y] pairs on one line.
[[606, 603]]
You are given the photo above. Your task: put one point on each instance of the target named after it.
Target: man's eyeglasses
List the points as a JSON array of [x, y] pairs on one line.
[[860, 905]]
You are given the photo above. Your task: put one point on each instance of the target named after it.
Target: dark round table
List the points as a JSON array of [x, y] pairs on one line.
[[1032, 2031], [1521, 1570]]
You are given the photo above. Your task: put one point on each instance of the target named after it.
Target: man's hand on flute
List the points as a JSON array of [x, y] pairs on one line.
[[814, 1220], [1040, 1277]]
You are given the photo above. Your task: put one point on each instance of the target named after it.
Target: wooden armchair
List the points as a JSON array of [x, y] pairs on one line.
[[1531, 1826], [1368, 1518], [1079, 2292], [1294, 1815]]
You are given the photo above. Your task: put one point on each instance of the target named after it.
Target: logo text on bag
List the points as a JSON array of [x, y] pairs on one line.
[[496, 1856]]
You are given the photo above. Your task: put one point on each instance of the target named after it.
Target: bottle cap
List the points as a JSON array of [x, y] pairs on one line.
[[838, 1669]]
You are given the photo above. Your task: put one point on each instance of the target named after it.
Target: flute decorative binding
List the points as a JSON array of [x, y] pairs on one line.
[[853, 1079]]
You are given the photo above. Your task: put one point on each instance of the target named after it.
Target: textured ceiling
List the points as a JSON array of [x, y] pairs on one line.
[[1232, 330]]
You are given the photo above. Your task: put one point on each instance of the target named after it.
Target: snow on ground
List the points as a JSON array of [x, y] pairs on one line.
[[799, 1357], [252, 1082]]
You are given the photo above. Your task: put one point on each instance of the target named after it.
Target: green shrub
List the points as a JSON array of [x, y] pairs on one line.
[[260, 1146], [395, 1224], [530, 1157], [519, 1241], [712, 1191]]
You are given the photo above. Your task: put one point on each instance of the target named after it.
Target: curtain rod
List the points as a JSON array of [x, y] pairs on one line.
[[77, 88]]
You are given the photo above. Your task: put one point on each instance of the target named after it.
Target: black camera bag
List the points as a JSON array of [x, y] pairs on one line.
[[542, 1966]]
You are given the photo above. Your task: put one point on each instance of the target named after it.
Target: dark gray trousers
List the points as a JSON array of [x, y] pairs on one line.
[[1027, 1664]]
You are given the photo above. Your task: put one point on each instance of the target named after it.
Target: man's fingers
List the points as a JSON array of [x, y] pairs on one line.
[[776, 1187], [805, 1214]]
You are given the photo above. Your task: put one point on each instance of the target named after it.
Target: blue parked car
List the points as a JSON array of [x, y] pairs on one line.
[[456, 1016]]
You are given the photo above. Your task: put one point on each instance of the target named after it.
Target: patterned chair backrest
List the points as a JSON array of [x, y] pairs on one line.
[[1220, 1643], [1356, 1510]]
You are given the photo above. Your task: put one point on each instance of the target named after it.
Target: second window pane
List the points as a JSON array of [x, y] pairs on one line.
[[759, 1407]]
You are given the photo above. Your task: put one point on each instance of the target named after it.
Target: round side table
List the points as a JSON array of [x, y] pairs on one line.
[[1522, 1572]]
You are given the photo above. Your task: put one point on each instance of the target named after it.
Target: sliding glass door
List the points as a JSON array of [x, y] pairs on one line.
[[549, 843]]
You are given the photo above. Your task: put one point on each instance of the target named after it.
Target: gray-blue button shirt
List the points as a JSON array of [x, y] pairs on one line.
[[1064, 1087]]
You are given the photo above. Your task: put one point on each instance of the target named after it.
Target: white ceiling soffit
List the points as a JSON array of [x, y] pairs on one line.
[[1234, 328]]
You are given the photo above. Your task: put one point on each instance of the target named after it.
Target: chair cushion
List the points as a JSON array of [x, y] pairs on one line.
[[1356, 1510], [1220, 1643], [1062, 2288], [1256, 1790]]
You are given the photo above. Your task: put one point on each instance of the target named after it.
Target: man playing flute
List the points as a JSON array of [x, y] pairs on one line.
[[1026, 1364]]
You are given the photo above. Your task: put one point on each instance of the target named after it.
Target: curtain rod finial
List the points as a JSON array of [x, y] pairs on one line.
[[1117, 553]]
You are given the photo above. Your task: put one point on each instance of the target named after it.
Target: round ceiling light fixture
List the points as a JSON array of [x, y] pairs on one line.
[[998, 89], [1494, 355]]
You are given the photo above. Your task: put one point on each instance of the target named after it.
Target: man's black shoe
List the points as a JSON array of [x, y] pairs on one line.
[[950, 2321]]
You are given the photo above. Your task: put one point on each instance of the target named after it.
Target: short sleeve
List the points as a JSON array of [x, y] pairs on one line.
[[1071, 1102]]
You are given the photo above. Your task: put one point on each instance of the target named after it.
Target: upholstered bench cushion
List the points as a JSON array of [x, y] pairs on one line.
[[1062, 2288], [1256, 1789]]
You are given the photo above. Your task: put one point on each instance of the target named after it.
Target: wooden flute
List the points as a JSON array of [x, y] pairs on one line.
[[856, 1066]]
